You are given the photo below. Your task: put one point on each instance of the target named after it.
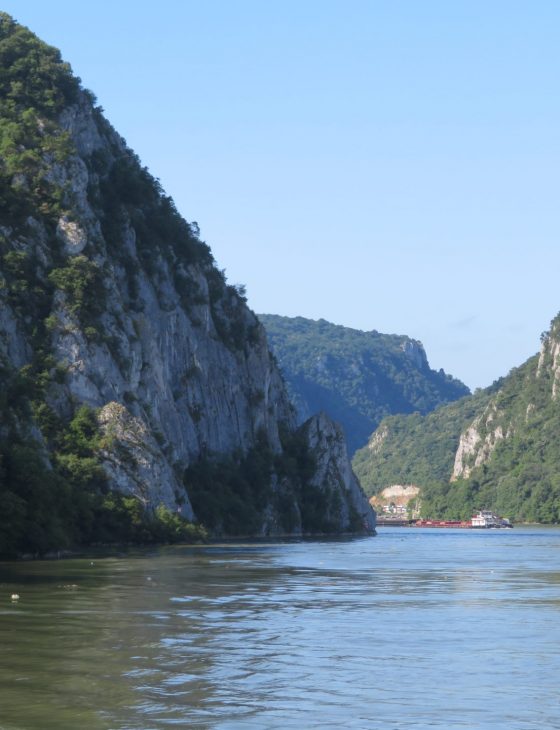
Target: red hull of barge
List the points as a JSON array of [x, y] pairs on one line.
[[443, 523]]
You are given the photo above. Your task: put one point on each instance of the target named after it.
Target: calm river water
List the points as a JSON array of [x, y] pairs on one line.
[[415, 628]]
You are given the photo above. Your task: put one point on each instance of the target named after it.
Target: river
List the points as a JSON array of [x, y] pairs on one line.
[[414, 628]]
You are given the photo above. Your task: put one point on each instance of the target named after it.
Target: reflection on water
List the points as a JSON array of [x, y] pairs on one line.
[[412, 629]]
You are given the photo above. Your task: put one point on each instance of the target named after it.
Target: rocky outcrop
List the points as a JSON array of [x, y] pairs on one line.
[[475, 449], [377, 438], [134, 462], [137, 322], [501, 419], [348, 505], [466, 452], [415, 352]]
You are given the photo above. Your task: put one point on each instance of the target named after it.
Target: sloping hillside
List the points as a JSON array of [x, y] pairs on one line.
[[499, 448], [357, 377]]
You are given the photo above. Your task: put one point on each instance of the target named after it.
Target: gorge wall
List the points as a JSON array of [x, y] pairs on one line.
[[127, 358]]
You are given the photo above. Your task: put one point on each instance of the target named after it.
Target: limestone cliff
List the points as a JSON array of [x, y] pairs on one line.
[[112, 302], [496, 449], [520, 402], [477, 442]]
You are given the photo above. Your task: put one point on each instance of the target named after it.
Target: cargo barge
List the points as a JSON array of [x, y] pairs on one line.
[[443, 523], [484, 519]]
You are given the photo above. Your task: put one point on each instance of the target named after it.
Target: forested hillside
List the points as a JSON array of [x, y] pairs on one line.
[[356, 377], [416, 449], [498, 449]]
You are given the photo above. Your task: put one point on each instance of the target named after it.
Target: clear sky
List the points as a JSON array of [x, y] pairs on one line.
[[383, 164]]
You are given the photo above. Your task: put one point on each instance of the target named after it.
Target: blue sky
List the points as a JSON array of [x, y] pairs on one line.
[[388, 165]]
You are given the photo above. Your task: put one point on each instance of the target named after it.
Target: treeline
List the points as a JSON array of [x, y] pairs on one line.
[[356, 377], [514, 463]]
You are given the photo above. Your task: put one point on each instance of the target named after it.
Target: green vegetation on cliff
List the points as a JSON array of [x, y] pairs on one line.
[[415, 449], [35, 85], [132, 375], [356, 377], [498, 449], [66, 501], [53, 491], [231, 494]]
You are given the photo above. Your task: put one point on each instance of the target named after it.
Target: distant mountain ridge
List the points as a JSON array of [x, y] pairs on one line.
[[357, 377], [497, 449]]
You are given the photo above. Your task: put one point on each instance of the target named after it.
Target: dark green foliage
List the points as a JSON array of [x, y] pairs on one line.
[[33, 73], [121, 519], [229, 313], [356, 377], [129, 194], [35, 85], [67, 503], [416, 449], [519, 479], [27, 294], [82, 282], [228, 494], [30, 497]]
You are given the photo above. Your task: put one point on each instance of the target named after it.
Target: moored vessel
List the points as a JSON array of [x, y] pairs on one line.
[[486, 519], [443, 523]]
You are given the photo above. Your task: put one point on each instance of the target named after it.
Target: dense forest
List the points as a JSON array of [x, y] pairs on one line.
[[356, 377]]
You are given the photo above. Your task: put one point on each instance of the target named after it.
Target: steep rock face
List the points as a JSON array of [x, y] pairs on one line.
[[169, 368], [477, 443], [111, 301], [415, 352], [348, 505], [549, 359], [378, 437], [519, 402]]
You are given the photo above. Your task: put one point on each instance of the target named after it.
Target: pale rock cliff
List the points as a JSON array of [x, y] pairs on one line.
[[415, 352], [501, 419], [476, 445], [176, 363]]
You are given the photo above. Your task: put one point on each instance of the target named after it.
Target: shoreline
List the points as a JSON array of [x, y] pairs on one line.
[[119, 549]]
